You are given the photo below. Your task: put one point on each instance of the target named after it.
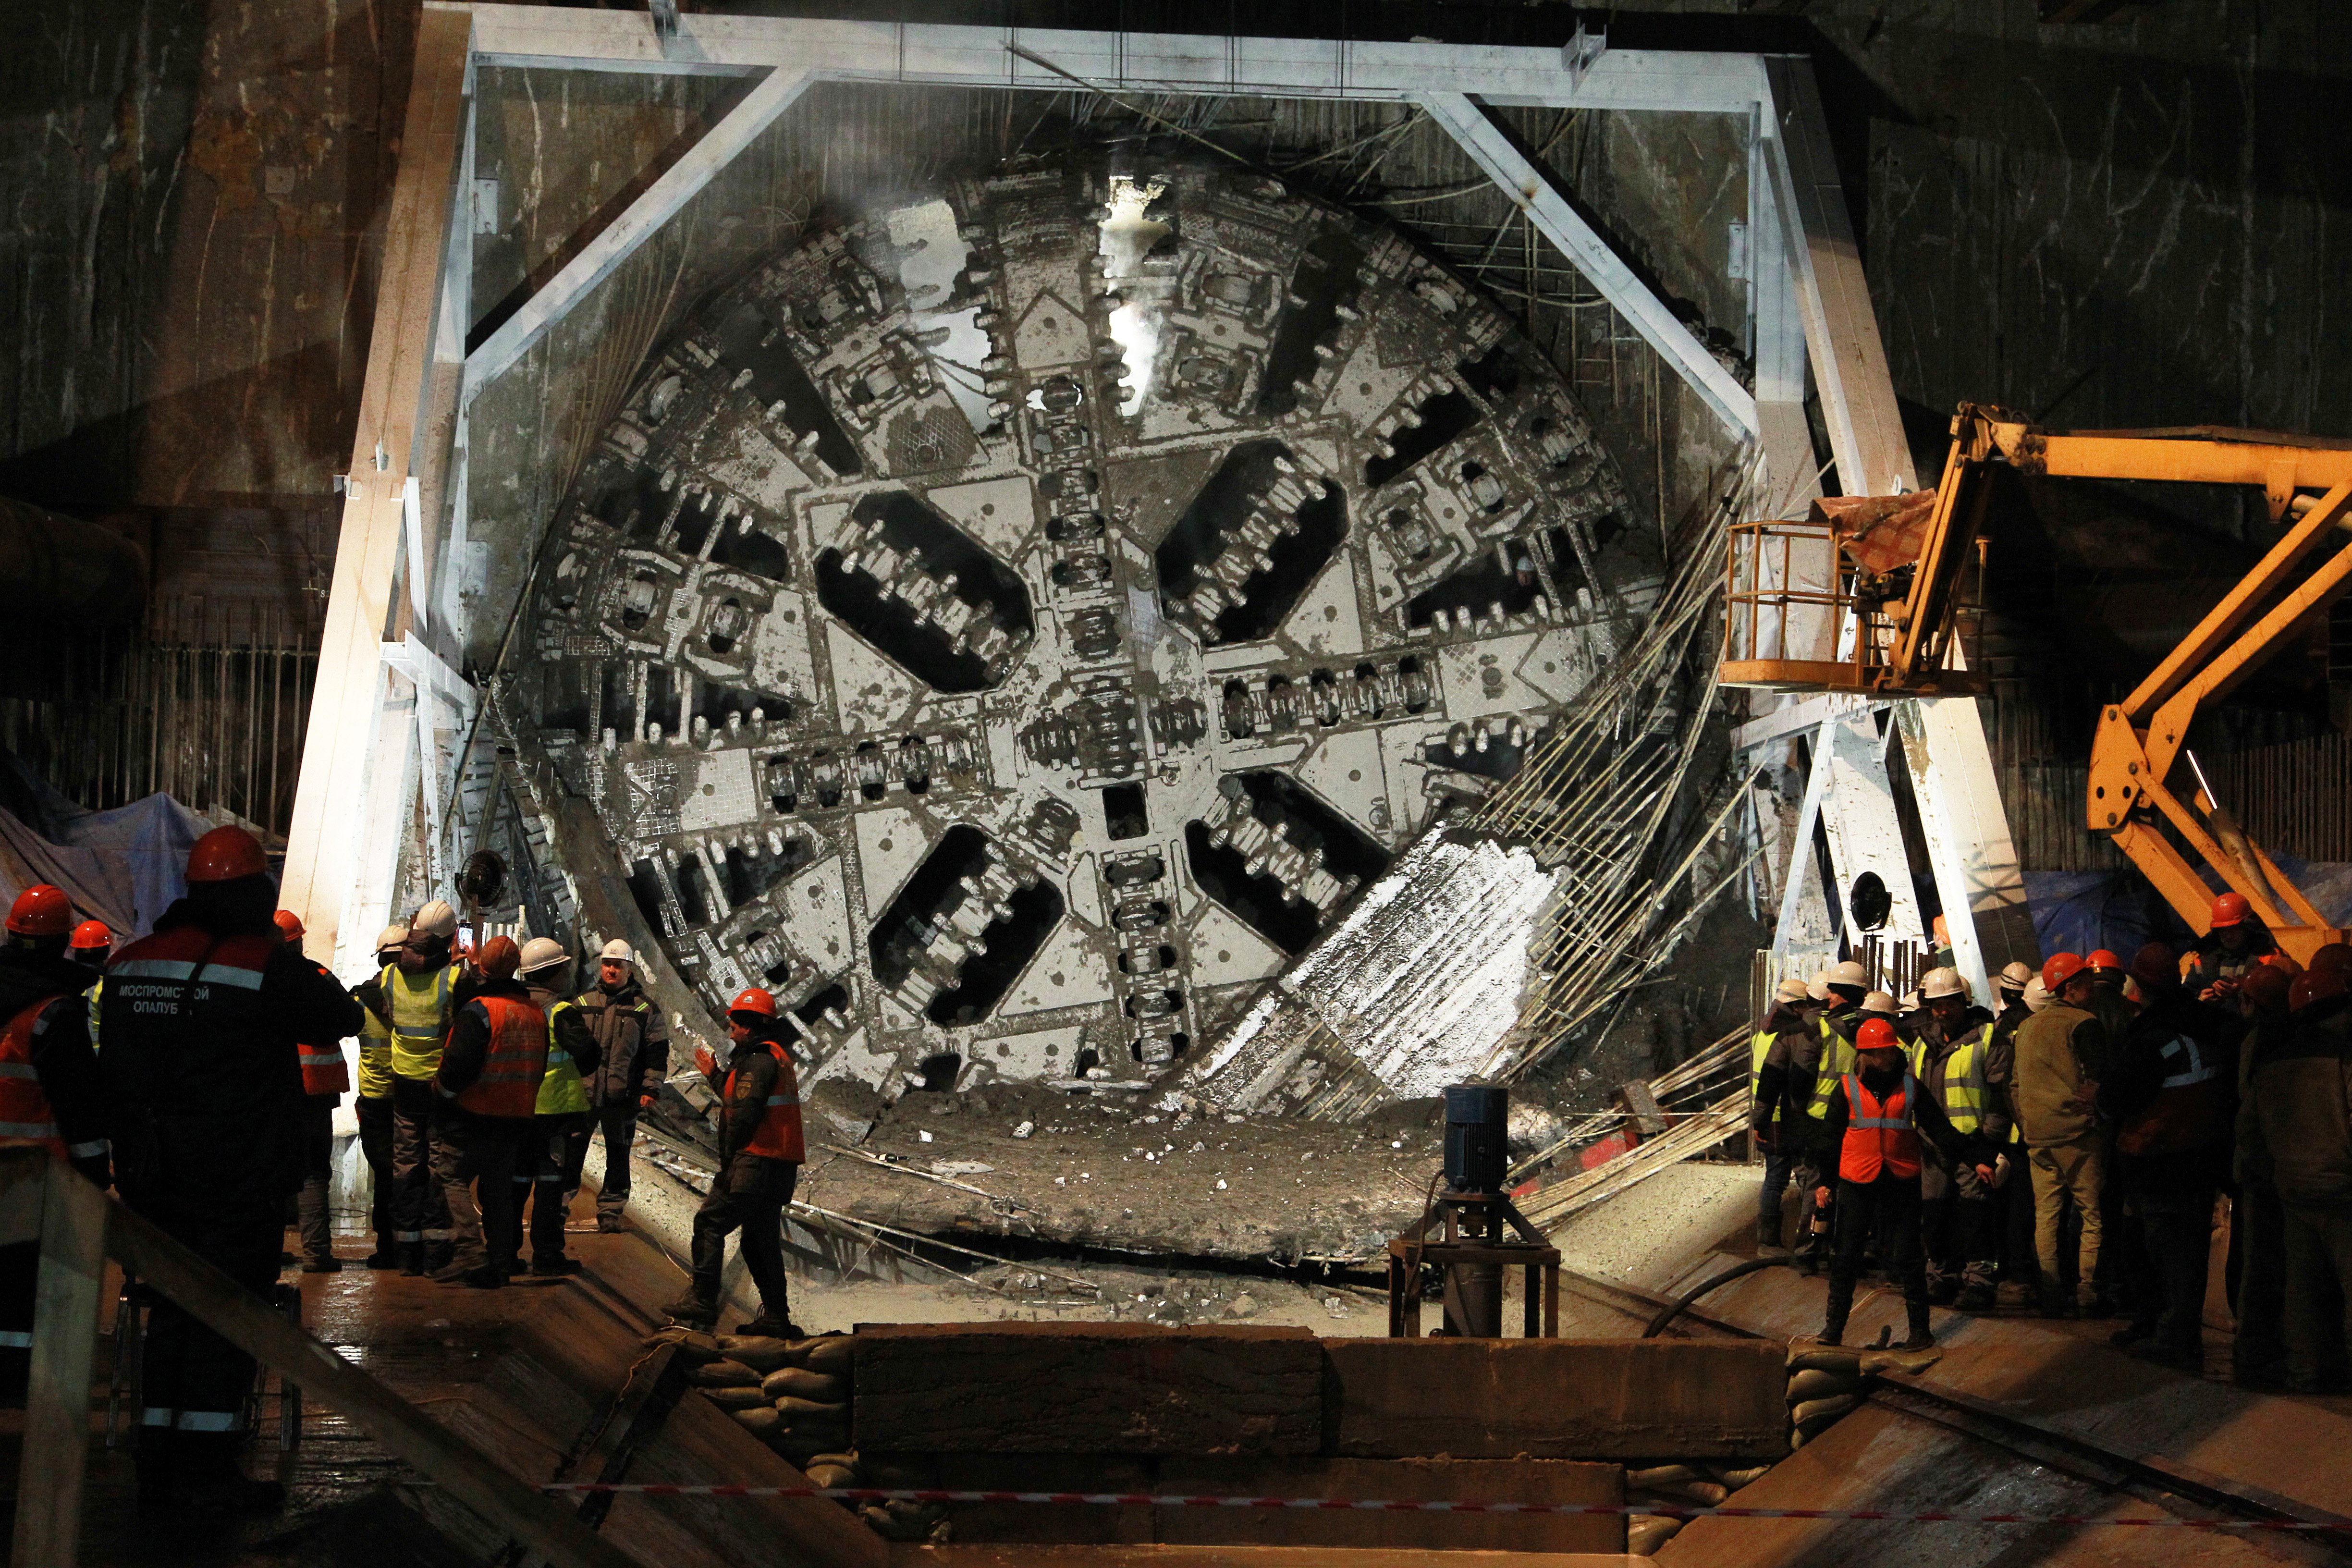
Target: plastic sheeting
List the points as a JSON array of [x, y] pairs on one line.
[[2080, 911], [123, 867]]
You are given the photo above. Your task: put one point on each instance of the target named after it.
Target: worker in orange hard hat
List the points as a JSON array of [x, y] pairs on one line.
[[2258, 1355], [487, 1091], [203, 1020], [91, 946], [2298, 1070], [2109, 1002], [2060, 1053], [2235, 941], [52, 1095], [1878, 1116], [760, 1151], [326, 1078]]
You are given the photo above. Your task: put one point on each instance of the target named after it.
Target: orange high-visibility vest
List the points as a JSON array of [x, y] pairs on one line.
[[508, 1086], [1879, 1134], [26, 1118], [778, 1136], [323, 1070]]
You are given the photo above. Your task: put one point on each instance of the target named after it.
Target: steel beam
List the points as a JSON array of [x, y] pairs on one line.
[[1865, 833], [1559, 223], [655, 206]]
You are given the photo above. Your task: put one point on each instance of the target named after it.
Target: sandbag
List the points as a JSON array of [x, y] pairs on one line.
[[812, 1411], [1645, 1532], [1818, 1382], [1662, 1476], [760, 1423], [800, 1383], [1698, 1494], [1747, 1475], [830, 1476], [901, 1520], [735, 1398], [722, 1375], [692, 1343], [1825, 1358], [828, 1352], [800, 1450], [1813, 1411], [760, 1352]]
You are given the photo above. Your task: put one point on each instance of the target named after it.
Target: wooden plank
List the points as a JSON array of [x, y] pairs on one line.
[[1404, 1480], [464, 1472], [56, 1402], [1028, 1556]]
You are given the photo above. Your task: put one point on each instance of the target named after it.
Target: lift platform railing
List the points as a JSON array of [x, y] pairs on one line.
[[1800, 615], [78, 1227]]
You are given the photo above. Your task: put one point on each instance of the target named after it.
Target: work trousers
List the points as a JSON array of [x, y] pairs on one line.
[[314, 1222], [539, 1176], [2170, 1297], [761, 1218], [1782, 1166], [375, 1147], [619, 1125], [2318, 1295], [2014, 1225], [1887, 1207], [416, 1172], [1956, 1227], [2066, 1173], [474, 1159], [2258, 1225], [20, 1266]]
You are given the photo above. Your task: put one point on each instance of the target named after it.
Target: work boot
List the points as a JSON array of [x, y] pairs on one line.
[[1767, 1233], [2057, 1304], [554, 1268], [1943, 1290], [610, 1224], [481, 1277], [1921, 1336], [330, 1264], [1976, 1299], [386, 1256], [691, 1311], [771, 1325], [412, 1259], [2131, 1334]]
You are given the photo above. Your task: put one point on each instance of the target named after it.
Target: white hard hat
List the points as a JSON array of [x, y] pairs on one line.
[[393, 937], [1850, 973], [1819, 989], [1880, 1002], [616, 952], [2037, 996], [1943, 982], [1791, 991], [436, 918], [543, 952], [1912, 1001], [2016, 976]]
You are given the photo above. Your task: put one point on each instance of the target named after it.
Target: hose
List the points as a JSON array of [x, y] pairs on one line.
[[1668, 1313]]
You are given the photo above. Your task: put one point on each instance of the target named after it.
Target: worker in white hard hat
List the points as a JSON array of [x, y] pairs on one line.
[[1843, 985], [560, 1117], [2017, 1271], [373, 1106], [1782, 1051], [417, 998], [633, 1048], [1952, 1056]]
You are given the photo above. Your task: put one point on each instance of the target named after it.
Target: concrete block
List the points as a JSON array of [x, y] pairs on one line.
[[1088, 1388], [1557, 1399], [1413, 1480]]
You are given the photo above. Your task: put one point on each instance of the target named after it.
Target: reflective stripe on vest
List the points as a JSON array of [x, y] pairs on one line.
[[2199, 1070], [1759, 1045], [779, 1134], [375, 1057], [420, 1018], [1879, 1134], [561, 1092], [96, 994], [1838, 1058], [1963, 1092], [323, 1071], [2190, 1109], [26, 1118], [508, 1086]]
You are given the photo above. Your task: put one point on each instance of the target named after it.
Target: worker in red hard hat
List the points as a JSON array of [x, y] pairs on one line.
[[2298, 1083], [52, 1096], [202, 1019], [2170, 1090], [487, 1090], [2060, 1053], [2113, 1009], [2235, 941], [92, 944], [1877, 1116], [326, 1078], [760, 1151]]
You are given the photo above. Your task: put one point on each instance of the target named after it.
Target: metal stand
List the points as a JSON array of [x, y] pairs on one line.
[[1474, 1251]]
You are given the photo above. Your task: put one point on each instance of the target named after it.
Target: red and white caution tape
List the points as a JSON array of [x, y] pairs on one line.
[[1373, 1505]]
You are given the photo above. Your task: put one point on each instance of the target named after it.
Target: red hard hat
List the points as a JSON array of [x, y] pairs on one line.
[[1875, 1035], [2103, 959], [2230, 909], [289, 925], [2157, 967], [2267, 987], [2058, 969], [89, 934], [2315, 985], [754, 1001], [499, 958], [2336, 956], [225, 853], [41, 910]]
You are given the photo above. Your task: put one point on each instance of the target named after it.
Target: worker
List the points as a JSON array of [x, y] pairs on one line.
[[2236, 940], [325, 1081], [2170, 1090], [2061, 1052], [1781, 1055], [2011, 1210], [486, 1090], [1952, 1060], [417, 997], [2299, 1083], [561, 1110], [52, 1096], [633, 1045], [203, 1018], [1881, 1004], [760, 1151], [2108, 1004], [2258, 1355], [1878, 1114], [374, 1109], [91, 945], [1846, 984]]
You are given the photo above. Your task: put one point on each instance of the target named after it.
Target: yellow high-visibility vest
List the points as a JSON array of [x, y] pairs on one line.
[[1964, 1093], [375, 1057], [561, 1089], [1838, 1058], [420, 1018]]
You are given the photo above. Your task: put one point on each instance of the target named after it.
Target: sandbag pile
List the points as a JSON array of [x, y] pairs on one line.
[[1699, 1483], [1827, 1381]]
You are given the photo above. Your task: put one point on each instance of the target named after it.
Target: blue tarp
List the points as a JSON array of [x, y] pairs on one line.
[[123, 867], [2079, 912]]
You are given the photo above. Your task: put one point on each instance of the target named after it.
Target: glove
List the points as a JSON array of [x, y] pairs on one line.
[[1984, 1174], [1821, 1197], [646, 1103]]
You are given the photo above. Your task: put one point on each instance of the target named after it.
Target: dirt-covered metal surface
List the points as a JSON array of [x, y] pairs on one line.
[[1014, 623]]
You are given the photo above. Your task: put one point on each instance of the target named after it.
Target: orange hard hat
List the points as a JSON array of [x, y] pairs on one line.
[[754, 1001], [2230, 909], [41, 910], [2336, 956], [90, 934], [2103, 959], [2058, 969], [2265, 987], [1875, 1035], [499, 958], [225, 853], [2315, 985], [289, 925]]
